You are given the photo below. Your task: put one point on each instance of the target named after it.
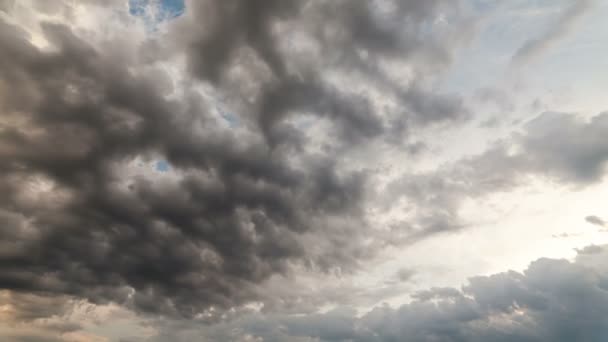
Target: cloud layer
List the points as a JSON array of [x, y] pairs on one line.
[[240, 205], [243, 171], [552, 300]]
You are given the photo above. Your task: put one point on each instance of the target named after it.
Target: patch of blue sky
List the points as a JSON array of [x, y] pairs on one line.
[[162, 166], [138, 8], [228, 116], [154, 12], [174, 8]]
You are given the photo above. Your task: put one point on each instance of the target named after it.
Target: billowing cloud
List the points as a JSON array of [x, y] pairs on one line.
[[538, 304], [239, 204], [230, 170], [552, 300], [235, 211]]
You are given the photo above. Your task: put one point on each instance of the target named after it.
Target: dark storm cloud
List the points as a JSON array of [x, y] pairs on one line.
[[241, 207], [552, 300], [218, 32], [232, 220]]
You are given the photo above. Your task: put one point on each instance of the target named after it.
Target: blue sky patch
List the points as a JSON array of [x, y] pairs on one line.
[[168, 9], [162, 166], [232, 120]]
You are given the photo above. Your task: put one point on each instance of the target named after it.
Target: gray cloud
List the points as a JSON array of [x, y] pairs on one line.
[[342, 31], [245, 205], [595, 221], [7, 5], [566, 148], [563, 26], [559, 147], [552, 300], [44, 317], [405, 274], [242, 205], [34, 338], [189, 240]]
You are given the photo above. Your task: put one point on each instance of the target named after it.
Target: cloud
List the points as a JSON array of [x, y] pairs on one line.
[[30, 317], [229, 221], [405, 274], [595, 221], [239, 204], [552, 300], [331, 38], [6, 5], [563, 26], [238, 209], [558, 147], [538, 304], [563, 146]]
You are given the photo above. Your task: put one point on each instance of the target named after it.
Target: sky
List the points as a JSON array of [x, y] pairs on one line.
[[308, 171]]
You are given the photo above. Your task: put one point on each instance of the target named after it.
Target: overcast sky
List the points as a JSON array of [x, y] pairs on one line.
[[314, 170]]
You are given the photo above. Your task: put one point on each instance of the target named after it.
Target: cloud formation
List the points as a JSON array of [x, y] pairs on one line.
[[239, 205], [236, 171], [553, 146], [552, 300], [562, 27], [235, 211]]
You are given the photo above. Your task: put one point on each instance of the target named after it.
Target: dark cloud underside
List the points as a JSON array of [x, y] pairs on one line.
[[241, 207], [281, 134]]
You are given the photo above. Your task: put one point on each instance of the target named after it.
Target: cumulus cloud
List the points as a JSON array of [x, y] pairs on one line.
[[217, 176], [552, 300], [239, 204], [236, 210]]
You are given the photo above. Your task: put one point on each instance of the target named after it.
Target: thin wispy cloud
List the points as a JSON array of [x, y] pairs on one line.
[[563, 26]]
